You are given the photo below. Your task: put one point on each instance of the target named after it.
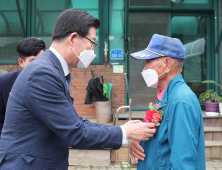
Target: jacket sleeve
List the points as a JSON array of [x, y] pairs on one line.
[[2, 107], [183, 130], [47, 101]]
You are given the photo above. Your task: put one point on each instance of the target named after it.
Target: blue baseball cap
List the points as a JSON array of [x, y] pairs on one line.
[[161, 46]]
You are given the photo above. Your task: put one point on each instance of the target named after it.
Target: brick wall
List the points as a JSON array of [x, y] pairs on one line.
[[79, 82]]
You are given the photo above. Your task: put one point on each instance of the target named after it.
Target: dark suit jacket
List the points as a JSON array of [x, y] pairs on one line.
[[6, 83], [41, 122]]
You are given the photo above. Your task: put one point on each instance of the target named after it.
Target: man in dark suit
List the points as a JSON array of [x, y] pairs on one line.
[[41, 122], [28, 50]]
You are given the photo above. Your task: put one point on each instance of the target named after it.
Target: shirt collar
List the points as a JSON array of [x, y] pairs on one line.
[[62, 61], [160, 94]]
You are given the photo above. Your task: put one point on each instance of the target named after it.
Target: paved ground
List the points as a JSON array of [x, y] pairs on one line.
[[210, 165], [214, 165]]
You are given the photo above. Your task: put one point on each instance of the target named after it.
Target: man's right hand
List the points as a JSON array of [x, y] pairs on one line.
[[139, 131]]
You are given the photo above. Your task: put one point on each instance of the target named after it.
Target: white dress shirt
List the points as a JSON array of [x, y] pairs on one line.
[[66, 72]]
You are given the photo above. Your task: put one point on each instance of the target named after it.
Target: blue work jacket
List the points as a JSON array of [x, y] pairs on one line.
[[179, 140]]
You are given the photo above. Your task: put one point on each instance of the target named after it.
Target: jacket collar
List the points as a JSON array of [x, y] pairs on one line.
[[176, 81]]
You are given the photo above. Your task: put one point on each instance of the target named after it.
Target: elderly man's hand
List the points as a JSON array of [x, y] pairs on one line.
[[136, 151], [139, 131]]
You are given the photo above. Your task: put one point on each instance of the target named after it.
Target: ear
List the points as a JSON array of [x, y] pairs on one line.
[[21, 62], [168, 65], [72, 37]]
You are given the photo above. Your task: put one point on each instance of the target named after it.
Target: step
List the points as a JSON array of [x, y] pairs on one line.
[[213, 150], [213, 133], [83, 157]]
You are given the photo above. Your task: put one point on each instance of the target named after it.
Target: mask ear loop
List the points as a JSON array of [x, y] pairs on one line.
[[81, 42], [72, 48], [158, 66], [23, 62]]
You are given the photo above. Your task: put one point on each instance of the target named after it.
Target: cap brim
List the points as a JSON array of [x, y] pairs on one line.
[[144, 55]]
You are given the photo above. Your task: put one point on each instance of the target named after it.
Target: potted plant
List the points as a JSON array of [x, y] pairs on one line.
[[220, 98], [211, 100]]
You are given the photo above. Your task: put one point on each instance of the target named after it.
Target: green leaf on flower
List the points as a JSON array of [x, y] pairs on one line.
[[157, 123], [154, 107]]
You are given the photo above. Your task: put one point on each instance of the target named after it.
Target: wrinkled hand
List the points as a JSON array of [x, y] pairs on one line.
[[139, 131], [136, 151]]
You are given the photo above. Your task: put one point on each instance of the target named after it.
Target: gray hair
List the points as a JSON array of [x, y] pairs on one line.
[[178, 63]]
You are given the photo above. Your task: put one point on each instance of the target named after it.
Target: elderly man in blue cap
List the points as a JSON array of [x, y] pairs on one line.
[[179, 140]]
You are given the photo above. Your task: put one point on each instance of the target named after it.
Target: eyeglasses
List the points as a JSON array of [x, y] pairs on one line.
[[93, 43]]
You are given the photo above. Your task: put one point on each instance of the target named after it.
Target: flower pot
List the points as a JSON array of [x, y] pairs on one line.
[[220, 108], [103, 111], [211, 106]]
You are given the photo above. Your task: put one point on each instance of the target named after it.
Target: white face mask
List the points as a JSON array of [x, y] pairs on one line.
[[151, 77], [85, 57]]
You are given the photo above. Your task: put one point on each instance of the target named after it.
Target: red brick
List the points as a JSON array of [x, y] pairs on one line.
[[120, 95], [93, 114], [116, 77], [120, 81], [116, 92], [106, 77], [100, 66], [81, 96], [108, 66], [91, 66], [80, 81], [80, 74], [80, 103], [72, 81], [4, 66], [108, 81], [120, 88], [116, 99], [123, 99], [86, 77], [76, 77], [80, 110], [84, 92], [75, 92], [88, 74], [91, 111], [86, 114], [77, 107], [76, 70], [75, 84], [105, 70], [120, 103], [80, 88], [96, 71], [84, 84], [76, 99]]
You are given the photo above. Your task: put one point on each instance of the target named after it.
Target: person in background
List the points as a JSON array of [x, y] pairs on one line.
[[28, 50], [179, 140]]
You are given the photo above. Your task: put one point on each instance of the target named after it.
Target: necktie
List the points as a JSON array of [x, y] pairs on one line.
[[68, 79]]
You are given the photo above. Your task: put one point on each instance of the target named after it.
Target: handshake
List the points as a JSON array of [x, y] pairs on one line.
[[137, 130]]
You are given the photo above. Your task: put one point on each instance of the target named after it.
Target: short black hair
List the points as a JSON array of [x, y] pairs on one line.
[[73, 20], [30, 46]]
